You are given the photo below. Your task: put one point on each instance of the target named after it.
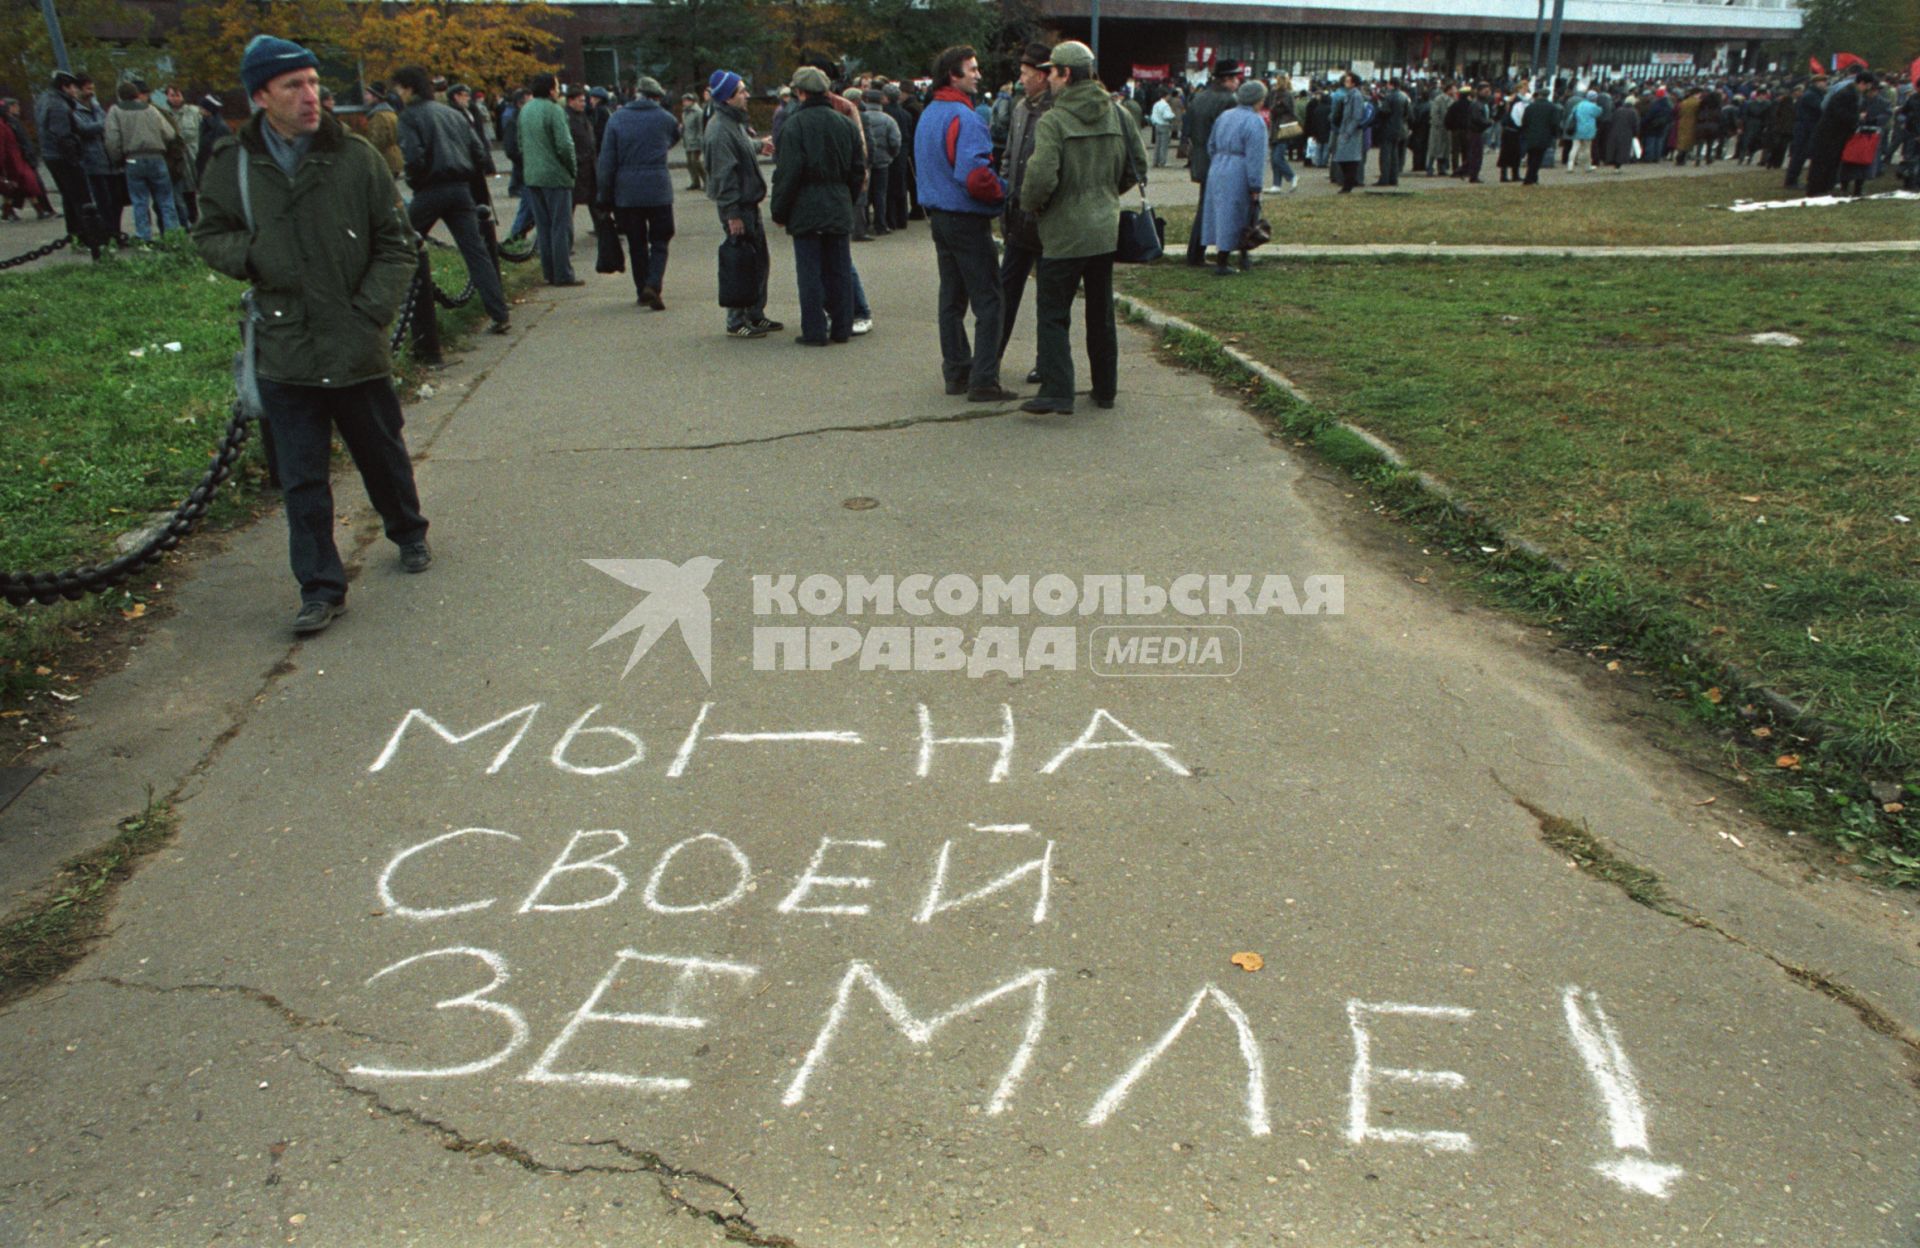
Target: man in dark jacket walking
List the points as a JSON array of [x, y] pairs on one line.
[[320, 236], [1201, 114], [816, 174], [445, 163], [636, 190], [737, 190]]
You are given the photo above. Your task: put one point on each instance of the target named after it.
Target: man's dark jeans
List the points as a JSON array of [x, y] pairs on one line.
[[71, 182], [553, 226], [1053, 292], [754, 230], [875, 203], [1016, 264], [453, 203], [647, 231], [969, 276], [1476, 156], [301, 421], [823, 269], [1535, 155]]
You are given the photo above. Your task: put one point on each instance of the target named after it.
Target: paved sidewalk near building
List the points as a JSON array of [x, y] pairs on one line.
[[804, 807]]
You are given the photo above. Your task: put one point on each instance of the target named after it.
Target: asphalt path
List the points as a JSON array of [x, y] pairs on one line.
[[482, 927]]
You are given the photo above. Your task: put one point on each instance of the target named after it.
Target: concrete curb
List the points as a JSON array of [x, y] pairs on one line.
[[1778, 703], [1334, 251]]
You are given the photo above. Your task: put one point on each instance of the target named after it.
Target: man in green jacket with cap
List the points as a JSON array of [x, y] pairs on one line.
[[1086, 153], [319, 233]]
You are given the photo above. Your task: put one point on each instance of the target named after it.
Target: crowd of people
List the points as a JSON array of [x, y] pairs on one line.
[[1845, 132], [852, 157], [146, 151]]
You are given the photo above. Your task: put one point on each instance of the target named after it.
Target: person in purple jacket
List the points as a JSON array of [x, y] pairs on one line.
[[953, 164]]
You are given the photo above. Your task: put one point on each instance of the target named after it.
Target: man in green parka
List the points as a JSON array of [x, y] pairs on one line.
[[1086, 153], [320, 236]]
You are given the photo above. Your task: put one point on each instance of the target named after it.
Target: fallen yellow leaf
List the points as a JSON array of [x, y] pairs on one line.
[[1248, 961], [135, 611], [1713, 695], [1894, 808], [1787, 760], [1763, 732]]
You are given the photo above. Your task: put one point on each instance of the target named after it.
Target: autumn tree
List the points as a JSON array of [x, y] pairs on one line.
[[473, 41], [106, 38], [212, 34], [684, 41]]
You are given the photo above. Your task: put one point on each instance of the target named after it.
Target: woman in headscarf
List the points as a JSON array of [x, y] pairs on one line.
[[1622, 128], [1238, 148]]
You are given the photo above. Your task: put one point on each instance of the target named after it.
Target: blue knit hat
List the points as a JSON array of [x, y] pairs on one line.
[[267, 58], [723, 84]]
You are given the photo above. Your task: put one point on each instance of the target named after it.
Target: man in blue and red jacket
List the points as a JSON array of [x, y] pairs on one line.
[[953, 163]]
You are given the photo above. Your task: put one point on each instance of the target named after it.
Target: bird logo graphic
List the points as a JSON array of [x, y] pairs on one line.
[[675, 594]]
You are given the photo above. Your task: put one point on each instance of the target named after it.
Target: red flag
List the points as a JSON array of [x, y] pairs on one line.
[[1844, 61], [1813, 63], [1913, 72]]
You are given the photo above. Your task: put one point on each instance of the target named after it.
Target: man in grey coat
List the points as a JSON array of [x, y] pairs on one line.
[[1348, 140], [1201, 114], [883, 149]]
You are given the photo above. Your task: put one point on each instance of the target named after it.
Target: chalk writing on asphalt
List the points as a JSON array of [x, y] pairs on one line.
[[691, 873]]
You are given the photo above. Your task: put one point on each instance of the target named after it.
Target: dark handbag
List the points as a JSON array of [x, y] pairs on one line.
[[1143, 235], [739, 273], [1256, 234], [612, 257]]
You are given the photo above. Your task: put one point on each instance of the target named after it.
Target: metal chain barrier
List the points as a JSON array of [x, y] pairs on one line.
[[20, 588], [38, 253], [405, 320], [460, 300], [46, 588]]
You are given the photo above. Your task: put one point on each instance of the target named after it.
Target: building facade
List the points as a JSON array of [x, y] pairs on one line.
[[1491, 39]]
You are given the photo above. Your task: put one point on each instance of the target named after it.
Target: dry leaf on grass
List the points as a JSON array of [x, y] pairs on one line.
[[135, 611], [1787, 760], [1248, 961]]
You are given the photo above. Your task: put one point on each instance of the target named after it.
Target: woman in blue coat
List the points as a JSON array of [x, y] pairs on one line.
[[1238, 149]]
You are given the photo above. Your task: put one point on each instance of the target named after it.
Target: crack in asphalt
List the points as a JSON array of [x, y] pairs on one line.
[[289, 1015], [1645, 888], [668, 1178], [885, 426]]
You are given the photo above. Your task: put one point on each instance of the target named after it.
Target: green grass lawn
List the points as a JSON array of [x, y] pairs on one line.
[[1707, 492], [1601, 210], [94, 438]]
